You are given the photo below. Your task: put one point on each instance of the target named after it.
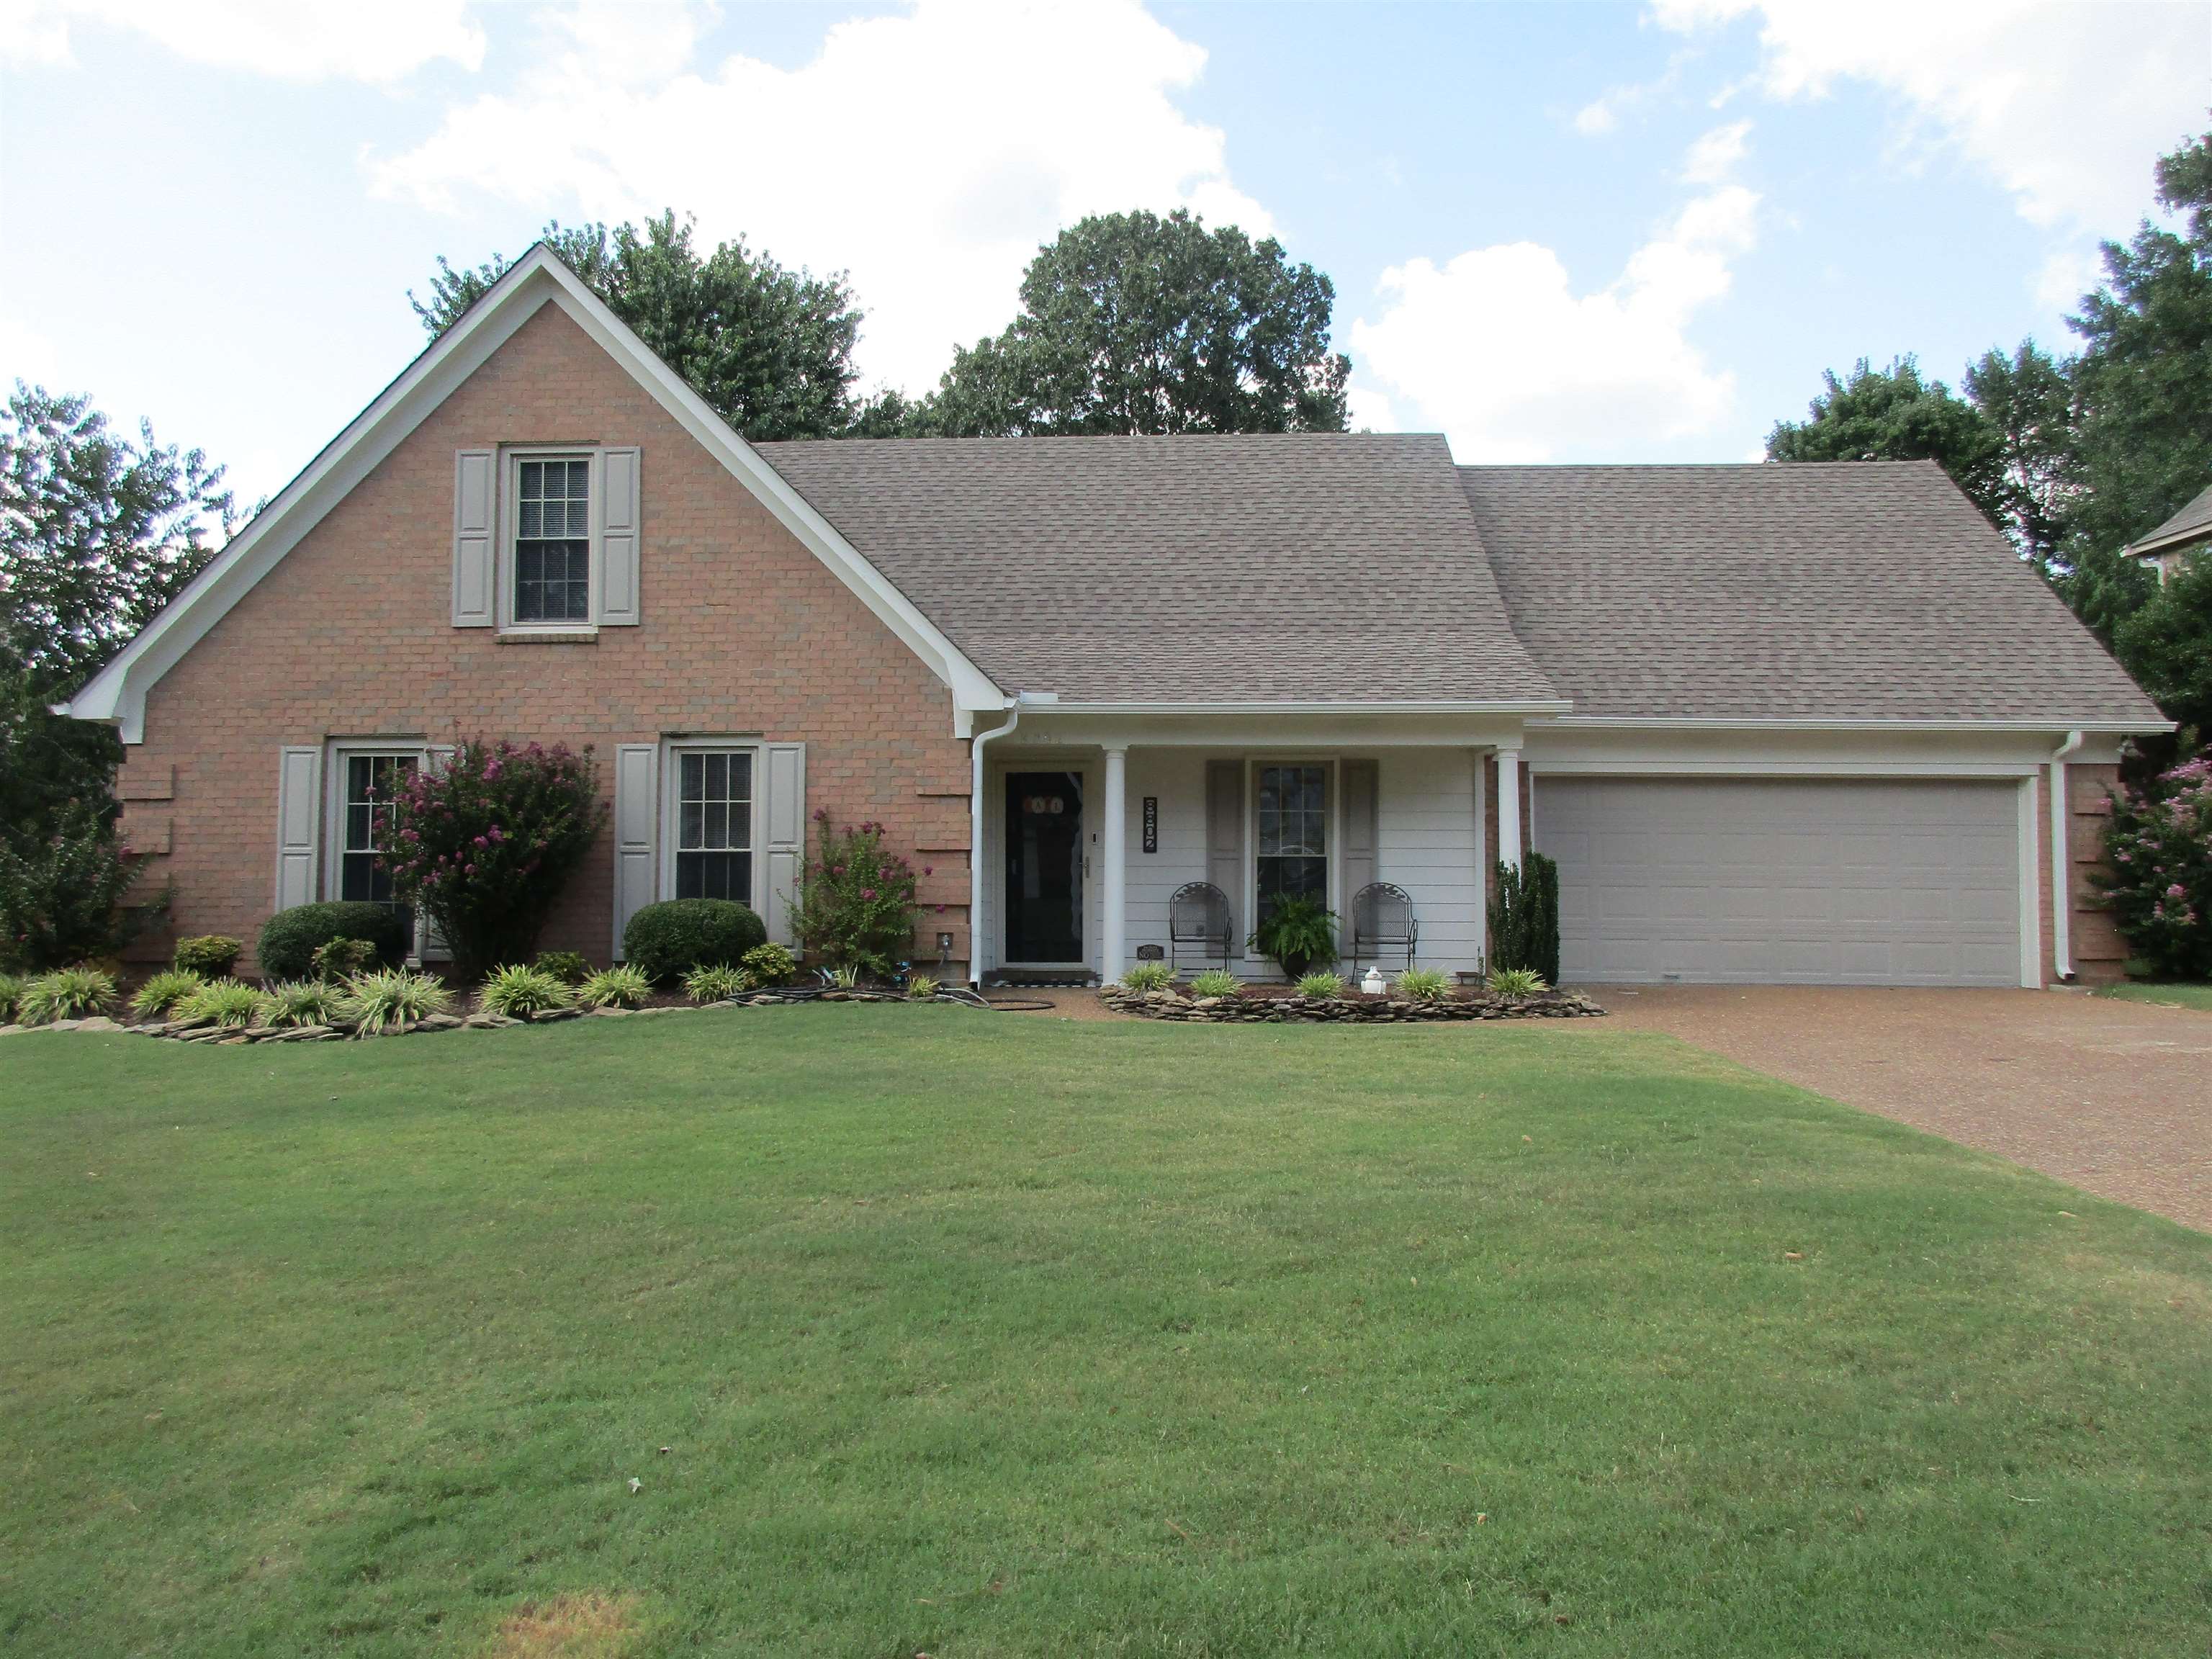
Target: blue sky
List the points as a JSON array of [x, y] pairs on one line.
[[1557, 232]]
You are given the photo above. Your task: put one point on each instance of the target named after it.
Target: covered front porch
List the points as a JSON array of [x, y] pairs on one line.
[[1089, 825]]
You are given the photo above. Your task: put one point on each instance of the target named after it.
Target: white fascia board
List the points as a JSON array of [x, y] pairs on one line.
[[1255, 706], [2152, 546], [118, 693], [2060, 725]]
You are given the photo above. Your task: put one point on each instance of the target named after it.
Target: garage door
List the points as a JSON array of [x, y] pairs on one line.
[[1766, 881]]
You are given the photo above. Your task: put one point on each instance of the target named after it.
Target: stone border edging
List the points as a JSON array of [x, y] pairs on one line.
[[1390, 1011]]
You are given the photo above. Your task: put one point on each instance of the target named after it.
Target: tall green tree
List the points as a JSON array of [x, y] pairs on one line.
[[1133, 323], [1897, 414], [2027, 401], [2167, 641], [770, 349]]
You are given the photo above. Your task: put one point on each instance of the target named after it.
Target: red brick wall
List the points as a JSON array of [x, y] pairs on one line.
[[743, 630], [2099, 950]]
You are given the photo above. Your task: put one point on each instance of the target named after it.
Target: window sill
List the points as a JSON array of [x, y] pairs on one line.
[[550, 636]]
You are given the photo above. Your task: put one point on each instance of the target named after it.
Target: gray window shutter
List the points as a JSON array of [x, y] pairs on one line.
[[1359, 780], [299, 815], [620, 508], [429, 944], [783, 842], [1224, 836], [476, 473], [637, 836]]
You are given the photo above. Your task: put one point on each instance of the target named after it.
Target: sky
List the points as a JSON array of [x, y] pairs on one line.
[[1558, 233]]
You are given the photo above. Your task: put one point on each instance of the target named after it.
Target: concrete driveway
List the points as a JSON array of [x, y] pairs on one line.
[[2115, 1097]]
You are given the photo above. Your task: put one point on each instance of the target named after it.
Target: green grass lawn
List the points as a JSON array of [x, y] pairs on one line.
[[2173, 994], [930, 1331]]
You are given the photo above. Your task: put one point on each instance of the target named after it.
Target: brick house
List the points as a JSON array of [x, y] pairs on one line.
[[1801, 723]]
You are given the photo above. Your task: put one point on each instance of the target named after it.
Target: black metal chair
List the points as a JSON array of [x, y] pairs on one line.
[[1197, 917], [1382, 920]]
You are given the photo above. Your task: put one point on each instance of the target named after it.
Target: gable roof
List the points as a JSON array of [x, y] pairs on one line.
[[2192, 523], [118, 692], [1332, 568], [1848, 591]]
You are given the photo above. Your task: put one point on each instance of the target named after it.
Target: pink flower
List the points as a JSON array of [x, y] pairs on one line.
[[481, 842], [867, 892], [2175, 891], [927, 871]]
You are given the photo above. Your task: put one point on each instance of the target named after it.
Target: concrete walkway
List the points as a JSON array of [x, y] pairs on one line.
[[2115, 1097]]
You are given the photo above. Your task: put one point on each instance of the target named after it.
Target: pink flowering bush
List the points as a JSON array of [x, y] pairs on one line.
[[2159, 842], [484, 846], [856, 906]]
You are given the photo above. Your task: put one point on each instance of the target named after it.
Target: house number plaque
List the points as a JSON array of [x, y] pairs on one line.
[[1151, 824], [1152, 953]]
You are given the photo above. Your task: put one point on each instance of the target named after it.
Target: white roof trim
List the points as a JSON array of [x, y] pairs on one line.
[[118, 692], [1641, 723], [1260, 706]]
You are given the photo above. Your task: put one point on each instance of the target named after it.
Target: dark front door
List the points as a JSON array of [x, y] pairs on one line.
[[1044, 867]]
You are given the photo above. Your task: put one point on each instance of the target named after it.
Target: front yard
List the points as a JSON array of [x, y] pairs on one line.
[[894, 1330]]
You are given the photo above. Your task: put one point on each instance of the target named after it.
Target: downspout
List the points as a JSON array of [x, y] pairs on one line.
[[975, 880], [2061, 895]]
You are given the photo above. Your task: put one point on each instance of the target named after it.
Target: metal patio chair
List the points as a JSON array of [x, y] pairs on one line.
[[1198, 918], [1383, 920]]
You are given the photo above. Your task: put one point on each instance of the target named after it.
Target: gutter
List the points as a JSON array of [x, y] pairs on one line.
[[2062, 898], [976, 839]]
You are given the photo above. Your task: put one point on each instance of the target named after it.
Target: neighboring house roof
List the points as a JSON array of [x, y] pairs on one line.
[[2193, 523], [1867, 589], [118, 692], [1310, 568]]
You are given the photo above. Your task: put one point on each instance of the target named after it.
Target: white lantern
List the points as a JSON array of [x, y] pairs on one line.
[[1372, 984]]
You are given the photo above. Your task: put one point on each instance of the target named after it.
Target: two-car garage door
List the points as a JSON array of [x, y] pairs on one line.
[[1784, 881]]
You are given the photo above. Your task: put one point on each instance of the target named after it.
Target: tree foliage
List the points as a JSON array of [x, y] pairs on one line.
[[770, 348], [1895, 414], [1133, 323]]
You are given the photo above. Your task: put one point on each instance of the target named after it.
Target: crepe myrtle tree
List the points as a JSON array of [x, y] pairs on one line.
[[485, 845], [856, 906]]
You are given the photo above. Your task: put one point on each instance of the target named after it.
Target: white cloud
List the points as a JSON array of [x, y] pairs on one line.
[[1497, 348], [928, 154], [290, 39], [2064, 105]]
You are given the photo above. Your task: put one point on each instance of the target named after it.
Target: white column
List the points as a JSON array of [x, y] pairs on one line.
[[1114, 853], [1508, 806]]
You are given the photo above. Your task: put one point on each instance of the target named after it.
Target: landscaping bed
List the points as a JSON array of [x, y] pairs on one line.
[[1266, 1005]]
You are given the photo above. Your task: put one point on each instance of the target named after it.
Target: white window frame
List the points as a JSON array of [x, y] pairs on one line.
[[672, 751], [509, 527], [1331, 808], [336, 754]]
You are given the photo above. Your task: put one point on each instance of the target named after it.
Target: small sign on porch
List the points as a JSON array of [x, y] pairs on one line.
[[1151, 824], [1152, 953]]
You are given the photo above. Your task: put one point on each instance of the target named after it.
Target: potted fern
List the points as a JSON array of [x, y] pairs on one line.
[[1296, 934]]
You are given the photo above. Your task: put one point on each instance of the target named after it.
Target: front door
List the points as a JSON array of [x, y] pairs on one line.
[[1044, 867]]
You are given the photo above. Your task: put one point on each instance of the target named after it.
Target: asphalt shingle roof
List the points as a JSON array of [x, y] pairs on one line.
[[2194, 520], [1304, 567], [1871, 590]]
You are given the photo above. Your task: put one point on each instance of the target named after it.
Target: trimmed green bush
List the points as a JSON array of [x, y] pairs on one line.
[[770, 964], [666, 941], [163, 991], [290, 938], [716, 983], [1147, 976], [517, 990], [211, 956], [65, 994], [567, 966], [621, 987], [342, 959], [1524, 918]]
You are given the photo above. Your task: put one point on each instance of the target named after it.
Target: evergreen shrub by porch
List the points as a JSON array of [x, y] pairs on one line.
[[666, 941], [856, 907], [770, 964], [1524, 918], [2158, 842], [485, 845], [290, 938]]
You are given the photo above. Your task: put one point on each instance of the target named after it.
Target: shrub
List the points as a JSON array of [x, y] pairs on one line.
[[1296, 934], [1516, 982], [485, 845], [11, 988], [770, 964], [1422, 985], [61, 896], [230, 1003], [211, 956], [2158, 843], [518, 990], [1216, 983], [846, 978], [856, 904], [290, 940], [567, 966], [669, 939], [1323, 984], [623, 986], [305, 1002], [716, 983], [920, 987], [342, 959], [163, 991], [393, 998], [1148, 976], [65, 994], [1524, 918]]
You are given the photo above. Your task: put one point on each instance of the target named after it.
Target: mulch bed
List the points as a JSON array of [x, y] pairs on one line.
[[1275, 1003]]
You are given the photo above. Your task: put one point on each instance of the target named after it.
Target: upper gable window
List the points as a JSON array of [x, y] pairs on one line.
[[552, 560]]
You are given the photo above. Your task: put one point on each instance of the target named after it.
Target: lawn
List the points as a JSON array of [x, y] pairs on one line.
[[2172, 994], [926, 1331]]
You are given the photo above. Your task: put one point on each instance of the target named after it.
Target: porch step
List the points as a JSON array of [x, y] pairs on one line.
[[1042, 979]]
